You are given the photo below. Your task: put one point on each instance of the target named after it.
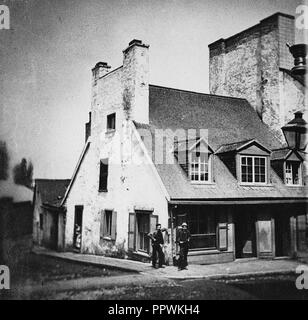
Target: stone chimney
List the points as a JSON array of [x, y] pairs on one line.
[[136, 81], [100, 69], [255, 64]]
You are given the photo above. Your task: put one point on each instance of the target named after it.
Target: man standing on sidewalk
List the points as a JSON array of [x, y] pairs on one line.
[[183, 238], [157, 243]]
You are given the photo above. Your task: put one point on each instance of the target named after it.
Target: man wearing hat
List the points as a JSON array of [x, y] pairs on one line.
[[183, 238], [157, 243]]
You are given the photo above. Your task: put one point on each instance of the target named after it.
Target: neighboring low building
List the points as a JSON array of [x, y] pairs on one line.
[[48, 216], [159, 154]]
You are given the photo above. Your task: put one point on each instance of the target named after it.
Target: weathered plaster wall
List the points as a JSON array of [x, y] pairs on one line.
[[248, 65], [292, 96], [131, 182]]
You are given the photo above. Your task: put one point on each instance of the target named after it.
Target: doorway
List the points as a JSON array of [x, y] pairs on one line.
[[78, 228], [54, 231], [245, 235], [282, 235]]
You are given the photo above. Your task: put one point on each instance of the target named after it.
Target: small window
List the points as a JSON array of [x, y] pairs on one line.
[[41, 221], [107, 224], [103, 175], [253, 169], [199, 167], [293, 173], [111, 122]]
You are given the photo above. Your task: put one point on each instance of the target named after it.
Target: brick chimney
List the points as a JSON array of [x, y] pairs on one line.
[[136, 81]]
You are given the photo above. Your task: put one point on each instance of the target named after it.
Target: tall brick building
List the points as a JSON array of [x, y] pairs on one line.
[[254, 64]]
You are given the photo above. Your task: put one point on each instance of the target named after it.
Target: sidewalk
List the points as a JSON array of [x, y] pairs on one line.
[[112, 263], [235, 269]]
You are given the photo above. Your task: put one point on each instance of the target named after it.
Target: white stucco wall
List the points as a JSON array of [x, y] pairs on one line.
[[132, 182]]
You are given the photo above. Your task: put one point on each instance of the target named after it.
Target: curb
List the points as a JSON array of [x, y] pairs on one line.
[[232, 276], [91, 263]]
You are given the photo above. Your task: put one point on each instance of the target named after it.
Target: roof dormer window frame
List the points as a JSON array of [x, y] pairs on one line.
[[201, 168], [300, 174], [280, 161], [253, 170], [195, 150], [189, 151]]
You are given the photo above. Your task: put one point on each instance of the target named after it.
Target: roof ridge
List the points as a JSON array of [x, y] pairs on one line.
[[195, 92], [242, 141]]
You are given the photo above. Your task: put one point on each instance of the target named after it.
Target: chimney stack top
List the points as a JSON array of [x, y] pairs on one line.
[[135, 42]]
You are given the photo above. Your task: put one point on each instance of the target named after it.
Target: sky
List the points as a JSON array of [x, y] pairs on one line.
[[47, 55]]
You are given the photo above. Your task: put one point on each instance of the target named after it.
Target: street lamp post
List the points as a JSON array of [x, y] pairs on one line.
[[295, 132]]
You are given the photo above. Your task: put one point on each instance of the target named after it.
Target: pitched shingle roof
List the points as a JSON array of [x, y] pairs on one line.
[[51, 191], [230, 121]]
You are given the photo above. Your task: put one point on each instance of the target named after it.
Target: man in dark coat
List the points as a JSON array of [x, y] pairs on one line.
[[183, 238], [157, 243]]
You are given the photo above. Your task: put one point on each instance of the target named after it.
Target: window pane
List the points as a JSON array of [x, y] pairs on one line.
[[259, 166], [246, 168], [292, 173], [199, 167], [202, 226]]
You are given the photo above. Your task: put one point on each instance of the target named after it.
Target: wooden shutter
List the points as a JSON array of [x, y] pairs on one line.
[[222, 236], [114, 226], [102, 227], [131, 231]]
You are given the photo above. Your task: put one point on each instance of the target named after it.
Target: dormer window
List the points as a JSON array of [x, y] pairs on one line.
[[293, 173], [195, 158], [288, 165], [247, 160], [199, 167], [253, 169]]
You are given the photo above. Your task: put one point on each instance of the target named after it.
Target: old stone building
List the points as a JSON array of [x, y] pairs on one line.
[[160, 154], [255, 64]]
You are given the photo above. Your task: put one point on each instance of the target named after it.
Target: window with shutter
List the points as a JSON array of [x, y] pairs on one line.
[[103, 175]]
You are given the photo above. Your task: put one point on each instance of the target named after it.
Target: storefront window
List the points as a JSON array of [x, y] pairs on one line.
[[202, 226]]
